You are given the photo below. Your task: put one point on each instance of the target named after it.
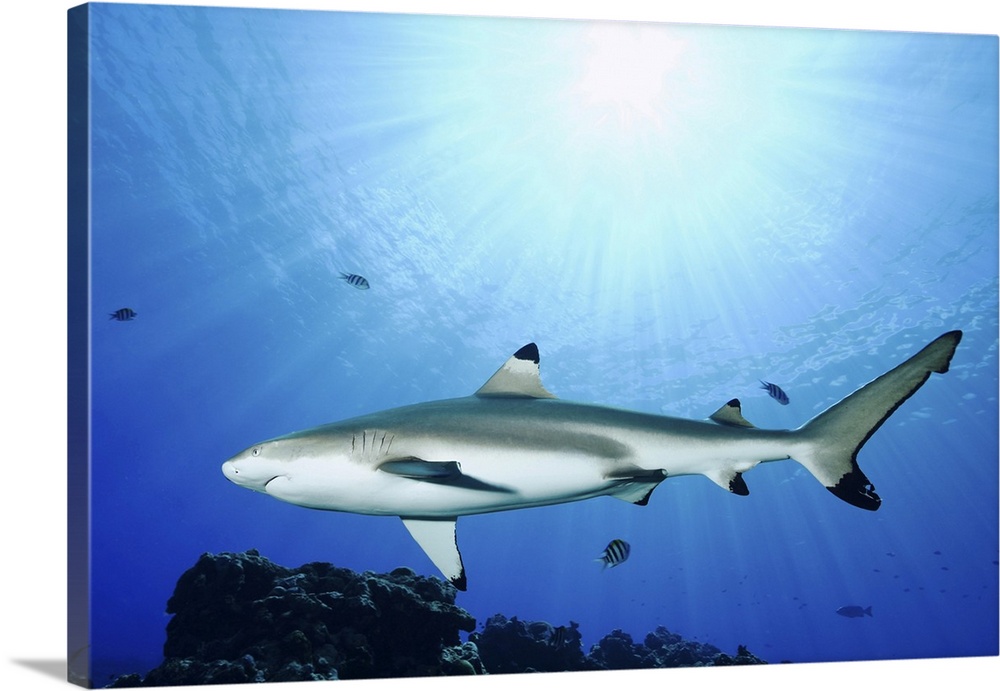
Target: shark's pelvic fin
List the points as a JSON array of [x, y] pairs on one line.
[[830, 441], [730, 414], [517, 378], [436, 536], [637, 485]]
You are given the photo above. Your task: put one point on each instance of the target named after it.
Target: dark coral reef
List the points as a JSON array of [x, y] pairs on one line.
[[241, 618], [513, 646]]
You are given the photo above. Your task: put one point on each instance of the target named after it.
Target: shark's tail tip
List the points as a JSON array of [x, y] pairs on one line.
[[948, 341]]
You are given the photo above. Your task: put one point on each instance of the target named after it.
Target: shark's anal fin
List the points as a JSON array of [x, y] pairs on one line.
[[517, 378], [738, 485], [635, 486], [436, 536], [730, 414], [729, 480]]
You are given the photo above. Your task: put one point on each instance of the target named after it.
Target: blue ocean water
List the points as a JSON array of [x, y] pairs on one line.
[[672, 213]]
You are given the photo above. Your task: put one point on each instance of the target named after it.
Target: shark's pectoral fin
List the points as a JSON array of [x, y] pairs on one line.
[[635, 486], [730, 480], [730, 414], [439, 472], [436, 536], [419, 469]]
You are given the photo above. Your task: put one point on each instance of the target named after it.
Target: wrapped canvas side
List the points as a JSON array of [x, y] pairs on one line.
[[78, 350]]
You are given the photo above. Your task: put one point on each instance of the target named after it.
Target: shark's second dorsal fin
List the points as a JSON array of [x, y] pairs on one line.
[[436, 536], [730, 414], [517, 378]]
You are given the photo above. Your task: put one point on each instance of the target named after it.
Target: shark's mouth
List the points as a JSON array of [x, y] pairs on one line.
[[270, 481]]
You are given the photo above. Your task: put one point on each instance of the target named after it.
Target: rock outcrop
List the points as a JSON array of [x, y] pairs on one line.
[[241, 618]]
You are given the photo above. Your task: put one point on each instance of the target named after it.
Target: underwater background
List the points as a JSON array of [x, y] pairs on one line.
[[672, 213]]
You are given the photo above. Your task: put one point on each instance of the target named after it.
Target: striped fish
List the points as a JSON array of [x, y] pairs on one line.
[[359, 282], [125, 314], [615, 553], [774, 391]]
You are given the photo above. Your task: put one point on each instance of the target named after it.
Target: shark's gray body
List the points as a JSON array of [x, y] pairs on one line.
[[513, 445]]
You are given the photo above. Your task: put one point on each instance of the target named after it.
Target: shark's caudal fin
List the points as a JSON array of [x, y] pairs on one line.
[[832, 439]]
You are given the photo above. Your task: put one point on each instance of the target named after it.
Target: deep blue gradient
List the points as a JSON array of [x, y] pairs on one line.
[[671, 212]]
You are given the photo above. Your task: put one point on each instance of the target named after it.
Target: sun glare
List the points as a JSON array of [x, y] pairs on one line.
[[625, 68]]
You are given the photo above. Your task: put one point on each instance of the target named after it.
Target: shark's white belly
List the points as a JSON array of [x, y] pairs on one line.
[[498, 479]]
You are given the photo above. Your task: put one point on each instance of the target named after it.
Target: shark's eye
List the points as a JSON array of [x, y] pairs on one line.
[[256, 451]]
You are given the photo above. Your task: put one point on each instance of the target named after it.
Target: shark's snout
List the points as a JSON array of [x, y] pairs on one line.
[[250, 472], [230, 471]]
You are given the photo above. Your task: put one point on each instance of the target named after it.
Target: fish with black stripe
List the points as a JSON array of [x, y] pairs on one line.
[[774, 391], [359, 282], [615, 553], [125, 314]]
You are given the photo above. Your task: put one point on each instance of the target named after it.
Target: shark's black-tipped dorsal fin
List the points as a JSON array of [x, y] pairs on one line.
[[730, 414], [517, 378]]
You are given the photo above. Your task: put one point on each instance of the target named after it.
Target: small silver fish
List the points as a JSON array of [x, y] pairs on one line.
[[774, 391], [125, 314], [359, 282], [615, 553]]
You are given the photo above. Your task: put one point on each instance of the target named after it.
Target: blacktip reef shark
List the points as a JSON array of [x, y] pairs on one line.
[[513, 445]]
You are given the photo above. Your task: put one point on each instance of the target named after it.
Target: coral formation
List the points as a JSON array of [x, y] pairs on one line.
[[508, 646], [511, 646], [241, 618]]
